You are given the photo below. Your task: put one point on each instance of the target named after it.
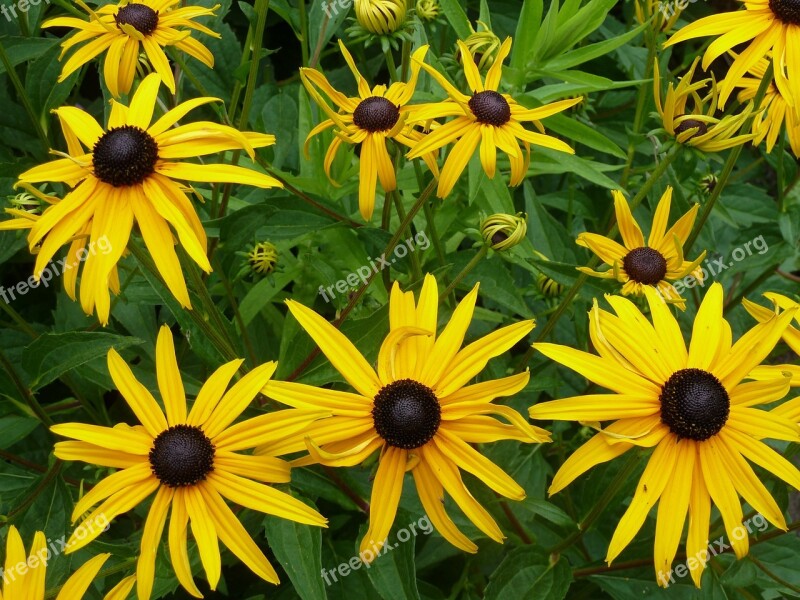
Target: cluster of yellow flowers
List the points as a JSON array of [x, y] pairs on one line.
[[694, 405]]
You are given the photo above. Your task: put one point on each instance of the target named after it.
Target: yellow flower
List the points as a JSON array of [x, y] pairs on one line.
[[125, 174], [698, 127], [769, 26], [120, 29], [774, 112], [417, 409], [502, 231], [486, 118], [24, 573], [692, 407], [191, 462], [368, 120], [792, 334], [638, 265], [381, 17], [263, 258], [428, 10]]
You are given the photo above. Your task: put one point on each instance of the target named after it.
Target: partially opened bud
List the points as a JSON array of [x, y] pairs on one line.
[[483, 45], [427, 10], [502, 231], [263, 258], [381, 17]]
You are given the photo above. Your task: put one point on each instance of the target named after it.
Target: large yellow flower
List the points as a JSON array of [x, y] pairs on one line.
[[486, 118], [775, 110], [367, 120], [769, 26], [125, 174], [191, 462], [698, 126], [653, 264], [417, 409], [692, 407], [24, 573], [120, 29]]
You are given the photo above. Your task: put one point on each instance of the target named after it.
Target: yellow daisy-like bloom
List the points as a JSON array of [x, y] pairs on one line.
[[367, 119], [486, 118], [125, 174], [775, 110], [792, 334], [638, 265], [191, 462], [24, 573], [417, 409], [120, 29], [692, 408], [698, 127], [769, 26]]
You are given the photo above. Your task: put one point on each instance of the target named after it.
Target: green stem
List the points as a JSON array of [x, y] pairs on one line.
[[23, 96], [304, 49], [600, 506], [467, 268], [390, 64], [638, 118], [24, 391], [401, 213], [727, 169], [239, 320]]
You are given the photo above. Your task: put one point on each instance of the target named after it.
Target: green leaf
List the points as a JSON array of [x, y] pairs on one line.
[[393, 572], [299, 550], [528, 573], [581, 55], [23, 49], [527, 29], [53, 354], [573, 129], [455, 14], [15, 428]]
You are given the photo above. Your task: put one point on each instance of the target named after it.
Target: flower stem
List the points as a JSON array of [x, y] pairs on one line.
[[24, 391], [467, 268], [23, 97]]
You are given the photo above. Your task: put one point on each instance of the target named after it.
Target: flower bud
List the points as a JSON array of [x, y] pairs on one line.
[[427, 10], [263, 258], [483, 45], [502, 231], [381, 17]]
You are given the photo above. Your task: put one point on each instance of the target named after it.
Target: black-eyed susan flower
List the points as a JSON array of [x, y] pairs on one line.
[[24, 572], [768, 26], [381, 17], [416, 408], [121, 30], [127, 174], [486, 118], [792, 334], [697, 126], [502, 231], [692, 407], [367, 120], [638, 265], [192, 462], [776, 113]]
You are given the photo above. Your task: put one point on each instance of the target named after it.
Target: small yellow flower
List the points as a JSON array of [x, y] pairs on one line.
[[487, 119], [24, 573], [666, 13], [121, 29], [381, 17], [775, 113], [367, 120], [698, 127], [263, 258], [638, 265], [484, 46], [502, 231]]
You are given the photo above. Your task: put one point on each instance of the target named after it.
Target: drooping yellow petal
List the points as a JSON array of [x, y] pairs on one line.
[[151, 539]]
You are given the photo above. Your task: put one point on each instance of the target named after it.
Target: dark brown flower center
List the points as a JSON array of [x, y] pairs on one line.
[[182, 456], [787, 11], [139, 16], [376, 114], [490, 108], [688, 124], [124, 156], [645, 265], [406, 414], [694, 404]]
